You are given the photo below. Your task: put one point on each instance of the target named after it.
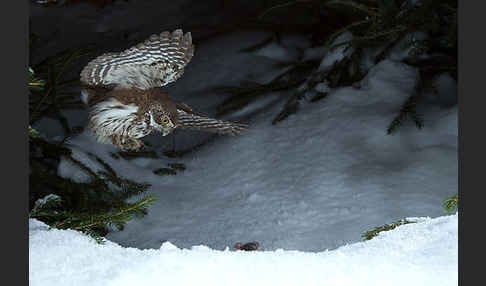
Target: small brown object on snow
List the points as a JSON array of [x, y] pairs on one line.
[[250, 246]]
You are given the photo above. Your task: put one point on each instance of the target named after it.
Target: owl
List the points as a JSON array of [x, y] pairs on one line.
[[126, 103]]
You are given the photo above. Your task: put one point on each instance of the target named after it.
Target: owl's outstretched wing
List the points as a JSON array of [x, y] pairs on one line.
[[155, 62], [192, 120]]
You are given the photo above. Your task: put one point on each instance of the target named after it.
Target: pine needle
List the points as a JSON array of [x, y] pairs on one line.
[[374, 232]]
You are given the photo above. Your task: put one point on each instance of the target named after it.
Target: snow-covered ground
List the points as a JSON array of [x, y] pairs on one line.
[[315, 181], [423, 253]]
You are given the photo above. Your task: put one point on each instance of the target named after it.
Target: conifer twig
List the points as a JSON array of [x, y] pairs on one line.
[[290, 3], [451, 204], [397, 29], [372, 233], [340, 31], [355, 5], [104, 219], [408, 110]]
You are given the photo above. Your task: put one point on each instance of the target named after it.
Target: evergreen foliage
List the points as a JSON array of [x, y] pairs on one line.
[[374, 232], [101, 203], [33, 133], [52, 211], [451, 203], [250, 91], [165, 171], [128, 155], [175, 153], [378, 24], [34, 82], [177, 166], [408, 110], [172, 170], [92, 207], [54, 94]]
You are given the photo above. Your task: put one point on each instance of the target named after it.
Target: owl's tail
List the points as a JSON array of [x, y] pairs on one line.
[[195, 121]]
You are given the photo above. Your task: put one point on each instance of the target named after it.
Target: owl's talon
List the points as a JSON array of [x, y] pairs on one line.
[[141, 147], [126, 143], [134, 144]]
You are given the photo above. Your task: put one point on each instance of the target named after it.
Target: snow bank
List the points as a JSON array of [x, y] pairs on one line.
[[314, 181], [423, 253]]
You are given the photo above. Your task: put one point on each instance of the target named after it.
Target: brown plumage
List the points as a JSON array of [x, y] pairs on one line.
[[124, 96]]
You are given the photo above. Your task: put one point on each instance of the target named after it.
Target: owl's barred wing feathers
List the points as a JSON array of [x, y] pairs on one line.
[[153, 63], [192, 120], [126, 104]]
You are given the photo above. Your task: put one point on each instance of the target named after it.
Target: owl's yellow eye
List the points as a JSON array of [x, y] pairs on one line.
[[165, 120]]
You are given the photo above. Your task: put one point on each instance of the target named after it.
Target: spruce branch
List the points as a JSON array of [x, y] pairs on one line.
[[373, 24], [165, 171], [91, 206], [374, 232], [82, 166], [105, 165], [48, 202], [394, 31], [290, 107], [33, 133], [368, 10], [408, 110], [290, 3], [128, 155], [49, 103], [336, 34], [121, 216], [451, 203], [34, 82], [177, 166], [244, 95]]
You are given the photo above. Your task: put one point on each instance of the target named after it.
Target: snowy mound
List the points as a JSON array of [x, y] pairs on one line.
[[314, 181], [422, 253]]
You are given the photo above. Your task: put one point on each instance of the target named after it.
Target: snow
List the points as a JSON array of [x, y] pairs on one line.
[[306, 189], [42, 201], [315, 181], [422, 253], [338, 53], [277, 52]]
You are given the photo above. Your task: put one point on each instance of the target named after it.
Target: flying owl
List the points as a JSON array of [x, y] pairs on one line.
[[124, 97]]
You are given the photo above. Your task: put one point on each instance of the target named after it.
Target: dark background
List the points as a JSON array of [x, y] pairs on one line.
[[83, 20]]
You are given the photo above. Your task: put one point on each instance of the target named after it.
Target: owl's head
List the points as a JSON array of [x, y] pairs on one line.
[[161, 118]]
